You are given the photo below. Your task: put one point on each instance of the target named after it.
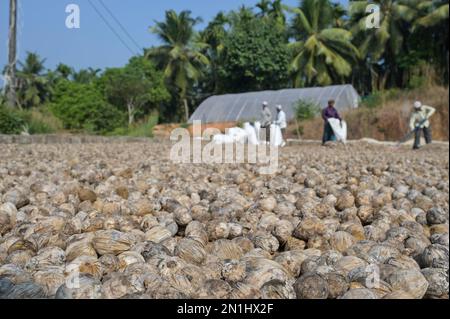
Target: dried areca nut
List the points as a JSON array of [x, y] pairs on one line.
[[112, 242], [85, 287], [158, 234], [182, 216], [341, 241], [311, 286], [283, 230], [50, 279], [191, 251], [411, 282], [80, 248], [196, 231], [266, 242], [87, 195], [234, 271]]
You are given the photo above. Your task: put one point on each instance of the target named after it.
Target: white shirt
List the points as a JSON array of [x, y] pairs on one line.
[[422, 115], [281, 120]]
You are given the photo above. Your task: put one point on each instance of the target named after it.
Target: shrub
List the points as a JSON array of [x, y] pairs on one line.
[[41, 121], [11, 121], [378, 99], [83, 107], [372, 101], [306, 110], [139, 130], [416, 82]]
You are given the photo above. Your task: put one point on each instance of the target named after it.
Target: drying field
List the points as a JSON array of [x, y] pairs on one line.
[[122, 221]]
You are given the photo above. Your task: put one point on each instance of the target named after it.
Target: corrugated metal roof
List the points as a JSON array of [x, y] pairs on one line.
[[247, 106]]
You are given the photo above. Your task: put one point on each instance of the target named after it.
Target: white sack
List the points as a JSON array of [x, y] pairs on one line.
[[252, 136], [339, 132], [276, 138]]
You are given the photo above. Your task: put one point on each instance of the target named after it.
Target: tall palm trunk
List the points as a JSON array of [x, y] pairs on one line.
[[374, 79], [131, 112], [11, 70], [186, 109]]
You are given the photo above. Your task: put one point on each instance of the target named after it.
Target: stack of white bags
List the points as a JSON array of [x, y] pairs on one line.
[[249, 134]]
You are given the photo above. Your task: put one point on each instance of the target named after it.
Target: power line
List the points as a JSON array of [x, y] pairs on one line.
[[111, 28], [121, 26]]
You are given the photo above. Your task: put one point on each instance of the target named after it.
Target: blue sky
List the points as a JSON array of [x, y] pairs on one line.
[[42, 28]]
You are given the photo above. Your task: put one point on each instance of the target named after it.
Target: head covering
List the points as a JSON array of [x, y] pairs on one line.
[[265, 103], [417, 105], [279, 107]]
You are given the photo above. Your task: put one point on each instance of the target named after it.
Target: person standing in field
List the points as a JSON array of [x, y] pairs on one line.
[[329, 112], [282, 123], [266, 120], [420, 122]]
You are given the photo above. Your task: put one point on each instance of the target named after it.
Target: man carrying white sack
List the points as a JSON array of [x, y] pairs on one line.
[[282, 123], [420, 122]]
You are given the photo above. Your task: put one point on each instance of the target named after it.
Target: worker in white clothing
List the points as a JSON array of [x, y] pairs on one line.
[[266, 120], [281, 122], [420, 121]]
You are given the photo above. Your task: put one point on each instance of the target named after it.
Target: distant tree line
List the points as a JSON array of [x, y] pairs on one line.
[[270, 46]]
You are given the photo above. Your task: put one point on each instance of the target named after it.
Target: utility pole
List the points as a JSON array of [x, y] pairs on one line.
[[12, 54]]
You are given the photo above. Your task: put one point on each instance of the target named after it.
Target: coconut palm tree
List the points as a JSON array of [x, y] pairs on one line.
[[339, 15], [180, 55], [216, 31], [273, 10], [277, 12], [322, 52], [380, 46], [433, 20], [86, 76], [264, 8], [33, 64], [433, 12], [64, 71], [242, 15], [214, 36], [32, 84]]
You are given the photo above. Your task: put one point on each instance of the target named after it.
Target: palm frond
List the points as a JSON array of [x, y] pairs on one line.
[[435, 17]]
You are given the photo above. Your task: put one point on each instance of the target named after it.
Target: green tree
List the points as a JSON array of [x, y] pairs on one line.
[[32, 86], [381, 46], [255, 56], [136, 86], [264, 8], [2, 99], [86, 76], [323, 53], [431, 26], [83, 107], [180, 55], [10, 121], [277, 13], [433, 12], [64, 71], [214, 36], [273, 10]]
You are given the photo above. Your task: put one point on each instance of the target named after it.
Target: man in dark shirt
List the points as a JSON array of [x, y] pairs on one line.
[[329, 112]]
